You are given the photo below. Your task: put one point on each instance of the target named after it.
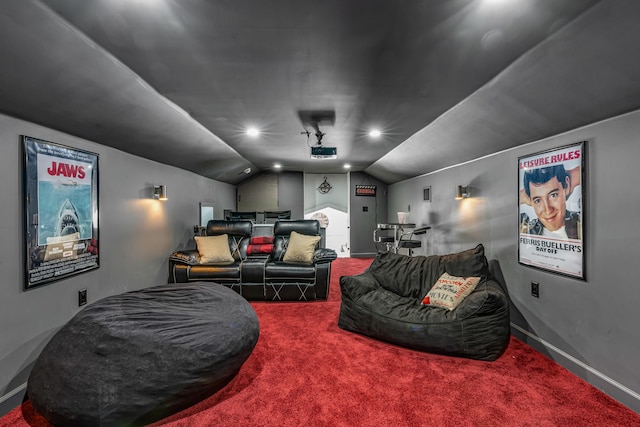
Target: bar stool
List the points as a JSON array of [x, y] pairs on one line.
[[409, 243], [386, 242]]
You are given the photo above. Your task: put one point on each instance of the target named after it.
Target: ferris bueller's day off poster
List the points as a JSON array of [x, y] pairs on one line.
[[550, 213], [61, 211]]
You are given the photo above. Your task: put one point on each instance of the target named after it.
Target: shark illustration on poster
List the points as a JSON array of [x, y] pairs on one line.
[[68, 222]]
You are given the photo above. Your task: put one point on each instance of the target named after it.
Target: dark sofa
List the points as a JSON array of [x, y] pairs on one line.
[[384, 302], [264, 276]]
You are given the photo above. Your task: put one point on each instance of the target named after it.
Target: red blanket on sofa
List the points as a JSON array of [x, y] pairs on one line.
[[260, 245]]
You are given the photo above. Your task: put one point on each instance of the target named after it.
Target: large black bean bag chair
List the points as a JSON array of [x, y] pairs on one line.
[[384, 302], [138, 357]]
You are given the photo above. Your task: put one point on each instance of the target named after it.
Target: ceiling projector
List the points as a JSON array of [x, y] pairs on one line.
[[314, 119], [320, 152]]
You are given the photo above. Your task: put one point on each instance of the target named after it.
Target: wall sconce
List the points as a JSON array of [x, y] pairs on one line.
[[160, 192], [462, 192]]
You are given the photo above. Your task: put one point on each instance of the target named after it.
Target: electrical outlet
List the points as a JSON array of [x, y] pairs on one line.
[[82, 297], [535, 289]]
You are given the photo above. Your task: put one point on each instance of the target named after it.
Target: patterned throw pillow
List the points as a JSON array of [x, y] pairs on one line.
[[449, 291], [301, 248], [214, 249]]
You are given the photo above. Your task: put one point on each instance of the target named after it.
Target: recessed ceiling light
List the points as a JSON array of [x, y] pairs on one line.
[[253, 132], [375, 133], [277, 166], [347, 166]]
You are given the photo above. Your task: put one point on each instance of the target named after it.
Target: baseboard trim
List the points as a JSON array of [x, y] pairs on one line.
[[583, 365], [363, 254], [13, 392]]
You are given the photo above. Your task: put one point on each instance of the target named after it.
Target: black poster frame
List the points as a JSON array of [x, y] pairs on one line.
[[60, 193], [551, 214]]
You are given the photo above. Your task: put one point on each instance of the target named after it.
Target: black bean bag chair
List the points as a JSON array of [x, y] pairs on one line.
[[385, 302], [138, 357]]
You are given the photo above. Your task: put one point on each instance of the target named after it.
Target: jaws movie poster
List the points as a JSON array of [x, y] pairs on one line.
[[61, 211], [551, 210]]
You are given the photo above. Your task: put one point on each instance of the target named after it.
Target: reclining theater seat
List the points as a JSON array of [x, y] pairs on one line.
[[185, 265], [273, 276], [297, 281]]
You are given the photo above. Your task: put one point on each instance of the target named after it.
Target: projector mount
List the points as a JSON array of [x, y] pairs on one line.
[[318, 134], [314, 118]]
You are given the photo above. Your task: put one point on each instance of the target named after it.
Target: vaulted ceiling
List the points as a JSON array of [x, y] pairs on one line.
[[445, 81]]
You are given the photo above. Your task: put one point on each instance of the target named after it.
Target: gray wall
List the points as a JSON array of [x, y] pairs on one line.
[[590, 327], [336, 198], [289, 190], [291, 193], [137, 235], [364, 222]]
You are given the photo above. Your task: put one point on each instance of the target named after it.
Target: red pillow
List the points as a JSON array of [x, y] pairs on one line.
[[261, 240]]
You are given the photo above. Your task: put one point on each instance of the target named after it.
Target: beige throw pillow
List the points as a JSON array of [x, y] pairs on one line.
[[214, 249], [301, 248], [449, 291]]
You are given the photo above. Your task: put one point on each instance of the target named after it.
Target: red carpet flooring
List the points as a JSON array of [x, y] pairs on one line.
[[305, 371]]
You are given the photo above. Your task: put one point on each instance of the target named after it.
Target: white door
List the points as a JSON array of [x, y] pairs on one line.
[[330, 207]]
